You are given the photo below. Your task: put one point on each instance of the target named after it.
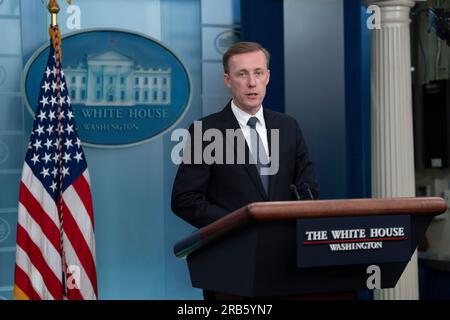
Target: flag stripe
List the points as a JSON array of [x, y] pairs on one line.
[[82, 188], [35, 187], [54, 285], [22, 286], [33, 275], [34, 231], [76, 238], [87, 176], [78, 210], [39, 215], [74, 294], [86, 288]]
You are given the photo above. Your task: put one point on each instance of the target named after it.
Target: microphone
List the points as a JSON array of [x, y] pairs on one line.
[[304, 194], [293, 188]]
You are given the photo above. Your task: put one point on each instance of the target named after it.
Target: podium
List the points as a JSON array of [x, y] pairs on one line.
[[318, 248]]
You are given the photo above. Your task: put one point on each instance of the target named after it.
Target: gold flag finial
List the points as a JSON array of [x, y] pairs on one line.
[[53, 8]]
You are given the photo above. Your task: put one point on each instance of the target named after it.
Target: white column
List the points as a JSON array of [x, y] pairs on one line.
[[392, 122]]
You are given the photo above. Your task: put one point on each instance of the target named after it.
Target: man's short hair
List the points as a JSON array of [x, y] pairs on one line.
[[243, 47]]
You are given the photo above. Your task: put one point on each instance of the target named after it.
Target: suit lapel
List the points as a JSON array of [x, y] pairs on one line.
[[230, 122]]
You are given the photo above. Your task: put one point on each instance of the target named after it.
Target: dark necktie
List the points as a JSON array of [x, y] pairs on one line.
[[258, 152]]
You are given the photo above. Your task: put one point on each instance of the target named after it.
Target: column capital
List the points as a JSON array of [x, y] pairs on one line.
[[393, 3], [394, 11]]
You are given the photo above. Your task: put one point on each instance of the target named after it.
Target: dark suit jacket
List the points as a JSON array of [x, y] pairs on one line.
[[204, 193]]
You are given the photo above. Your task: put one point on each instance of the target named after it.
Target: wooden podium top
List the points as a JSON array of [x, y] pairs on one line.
[[291, 210]]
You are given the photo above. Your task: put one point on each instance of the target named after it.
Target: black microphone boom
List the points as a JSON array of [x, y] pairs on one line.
[[304, 194]]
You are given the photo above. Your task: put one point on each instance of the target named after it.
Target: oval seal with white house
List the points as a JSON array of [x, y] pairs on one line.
[[125, 88]]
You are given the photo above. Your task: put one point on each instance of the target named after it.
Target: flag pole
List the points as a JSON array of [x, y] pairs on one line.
[[55, 36]]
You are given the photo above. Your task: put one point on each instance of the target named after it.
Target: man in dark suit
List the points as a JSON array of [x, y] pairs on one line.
[[203, 192]]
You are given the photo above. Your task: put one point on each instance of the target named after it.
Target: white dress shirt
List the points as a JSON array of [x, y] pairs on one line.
[[242, 118]]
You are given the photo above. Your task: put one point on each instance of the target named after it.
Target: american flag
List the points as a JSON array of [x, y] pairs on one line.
[[55, 257]]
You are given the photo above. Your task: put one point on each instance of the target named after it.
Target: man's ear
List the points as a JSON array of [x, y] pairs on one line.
[[268, 77], [227, 80]]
